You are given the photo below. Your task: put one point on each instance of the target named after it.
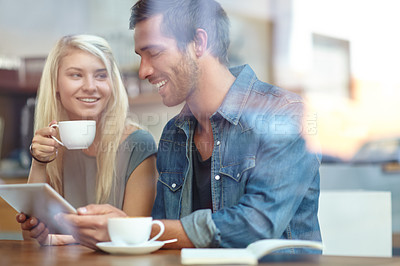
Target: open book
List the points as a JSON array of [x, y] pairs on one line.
[[249, 255]]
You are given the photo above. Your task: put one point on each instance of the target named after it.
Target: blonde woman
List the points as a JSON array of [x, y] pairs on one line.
[[81, 81]]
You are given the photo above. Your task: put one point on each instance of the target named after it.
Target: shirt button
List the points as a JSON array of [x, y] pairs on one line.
[[173, 185], [218, 143], [217, 177], [237, 175]]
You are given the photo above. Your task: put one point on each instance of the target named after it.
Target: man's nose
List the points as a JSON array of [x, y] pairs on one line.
[[145, 69]]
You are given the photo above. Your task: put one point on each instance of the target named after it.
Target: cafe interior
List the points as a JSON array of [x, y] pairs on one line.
[[342, 56]]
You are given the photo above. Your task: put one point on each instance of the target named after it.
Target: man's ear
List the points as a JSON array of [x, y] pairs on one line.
[[200, 42]]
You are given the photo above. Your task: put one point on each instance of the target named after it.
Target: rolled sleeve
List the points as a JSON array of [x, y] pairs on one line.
[[201, 229]]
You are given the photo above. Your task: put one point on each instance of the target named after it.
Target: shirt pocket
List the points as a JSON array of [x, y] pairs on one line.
[[171, 180], [237, 170]]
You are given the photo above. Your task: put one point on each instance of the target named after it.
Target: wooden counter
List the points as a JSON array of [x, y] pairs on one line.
[[30, 253]]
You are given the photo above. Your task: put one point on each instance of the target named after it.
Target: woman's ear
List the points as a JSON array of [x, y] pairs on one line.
[[200, 42]]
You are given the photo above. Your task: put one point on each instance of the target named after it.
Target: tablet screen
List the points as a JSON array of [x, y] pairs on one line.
[[39, 200]]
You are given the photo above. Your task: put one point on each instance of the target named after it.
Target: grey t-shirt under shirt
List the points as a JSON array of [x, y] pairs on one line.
[[80, 170]]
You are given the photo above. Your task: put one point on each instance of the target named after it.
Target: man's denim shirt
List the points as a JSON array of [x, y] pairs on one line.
[[264, 181]]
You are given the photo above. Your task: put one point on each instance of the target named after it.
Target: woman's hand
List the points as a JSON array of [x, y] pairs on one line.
[[44, 147], [34, 229]]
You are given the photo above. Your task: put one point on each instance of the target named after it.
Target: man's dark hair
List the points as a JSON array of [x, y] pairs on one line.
[[181, 19]]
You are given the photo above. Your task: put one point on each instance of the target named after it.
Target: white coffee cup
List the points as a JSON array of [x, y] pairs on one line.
[[76, 134], [132, 230]]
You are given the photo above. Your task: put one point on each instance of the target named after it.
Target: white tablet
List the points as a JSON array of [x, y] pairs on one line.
[[39, 200]]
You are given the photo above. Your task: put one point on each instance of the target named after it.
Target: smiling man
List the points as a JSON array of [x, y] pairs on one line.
[[233, 165]]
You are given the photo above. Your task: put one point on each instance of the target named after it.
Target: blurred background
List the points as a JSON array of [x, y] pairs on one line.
[[341, 55]]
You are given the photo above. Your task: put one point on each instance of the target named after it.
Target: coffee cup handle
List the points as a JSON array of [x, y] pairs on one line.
[[59, 142], [162, 228]]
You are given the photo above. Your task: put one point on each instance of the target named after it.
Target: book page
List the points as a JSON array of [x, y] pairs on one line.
[[217, 256], [263, 247]]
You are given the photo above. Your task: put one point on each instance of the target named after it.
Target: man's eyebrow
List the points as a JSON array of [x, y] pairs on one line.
[[147, 47]]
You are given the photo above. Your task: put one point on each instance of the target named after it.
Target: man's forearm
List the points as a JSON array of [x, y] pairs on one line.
[[173, 229]]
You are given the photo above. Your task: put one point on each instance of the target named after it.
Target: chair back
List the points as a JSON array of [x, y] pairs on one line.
[[356, 223]]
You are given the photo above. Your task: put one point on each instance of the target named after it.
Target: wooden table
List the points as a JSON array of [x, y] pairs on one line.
[[16, 252]]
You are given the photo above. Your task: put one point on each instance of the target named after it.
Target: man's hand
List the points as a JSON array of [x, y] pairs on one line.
[[90, 225]]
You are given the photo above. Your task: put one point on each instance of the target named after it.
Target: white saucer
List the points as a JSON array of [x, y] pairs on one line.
[[144, 248]]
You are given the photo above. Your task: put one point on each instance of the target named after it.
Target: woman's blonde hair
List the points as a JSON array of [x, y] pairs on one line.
[[111, 125]]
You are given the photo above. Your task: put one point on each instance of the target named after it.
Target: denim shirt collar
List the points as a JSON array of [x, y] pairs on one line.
[[235, 100]]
